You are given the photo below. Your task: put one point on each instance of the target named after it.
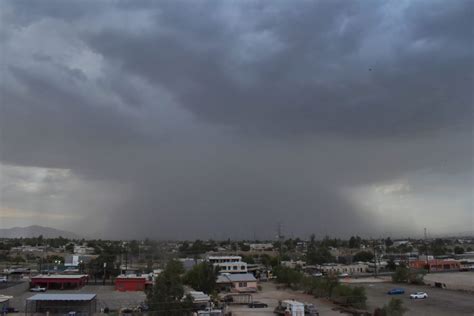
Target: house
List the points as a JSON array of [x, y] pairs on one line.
[[82, 304], [132, 282], [238, 282], [228, 264]]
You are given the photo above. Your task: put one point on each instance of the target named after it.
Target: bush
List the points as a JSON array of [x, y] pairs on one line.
[[354, 296], [405, 275], [288, 276]]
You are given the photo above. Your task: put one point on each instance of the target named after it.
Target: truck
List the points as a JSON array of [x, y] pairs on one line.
[[290, 308]]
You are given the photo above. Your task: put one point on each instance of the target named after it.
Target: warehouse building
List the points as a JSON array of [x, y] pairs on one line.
[[60, 281], [83, 304]]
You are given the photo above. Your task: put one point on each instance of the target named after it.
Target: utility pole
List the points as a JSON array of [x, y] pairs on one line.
[[375, 258], [280, 240], [426, 247], [103, 279]]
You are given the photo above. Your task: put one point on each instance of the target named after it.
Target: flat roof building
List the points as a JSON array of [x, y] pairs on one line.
[[84, 304], [132, 282], [60, 281]]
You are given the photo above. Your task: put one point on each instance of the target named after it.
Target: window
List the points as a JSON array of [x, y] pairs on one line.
[[242, 284], [235, 267]]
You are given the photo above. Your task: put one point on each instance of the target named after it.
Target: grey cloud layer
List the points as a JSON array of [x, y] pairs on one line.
[[216, 113]]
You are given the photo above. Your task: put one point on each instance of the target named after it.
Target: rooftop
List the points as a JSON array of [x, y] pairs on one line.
[[238, 277], [62, 297], [59, 276]]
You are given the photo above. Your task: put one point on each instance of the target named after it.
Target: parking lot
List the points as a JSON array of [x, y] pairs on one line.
[[439, 301]]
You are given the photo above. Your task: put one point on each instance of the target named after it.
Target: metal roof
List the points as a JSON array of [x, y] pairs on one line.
[[5, 298], [62, 297], [59, 276], [238, 277]]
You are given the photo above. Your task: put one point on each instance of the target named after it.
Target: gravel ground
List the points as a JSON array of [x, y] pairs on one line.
[[106, 297], [270, 295], [453, 280], [439, 301]]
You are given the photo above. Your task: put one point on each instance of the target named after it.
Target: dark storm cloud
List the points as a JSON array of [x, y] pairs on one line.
[[334, 67], [222, 118]]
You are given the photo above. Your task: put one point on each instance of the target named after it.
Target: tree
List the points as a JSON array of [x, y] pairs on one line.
[[364, 256], [166, 296], [388, 242], [70, 247], [319, 255], [244, 247], [355, 242], [354, 296], [202, 277], [401, 274], [438, 247], [391, 266], [288, 276], [248, 259], [458, 250]]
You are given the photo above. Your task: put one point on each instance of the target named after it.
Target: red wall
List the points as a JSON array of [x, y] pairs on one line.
[[130, 284]]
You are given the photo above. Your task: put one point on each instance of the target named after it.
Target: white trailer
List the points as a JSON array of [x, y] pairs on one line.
[[292, 308]]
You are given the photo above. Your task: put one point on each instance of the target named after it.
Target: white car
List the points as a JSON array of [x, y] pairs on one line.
[[3, 279], [418, 295], [38, 289]]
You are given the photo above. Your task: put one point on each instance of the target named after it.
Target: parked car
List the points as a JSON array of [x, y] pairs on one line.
[[3, 279], [343, 275], [257, 304], [396, 291], [418, 295], [7, 310], [310, 310], [38, 289]]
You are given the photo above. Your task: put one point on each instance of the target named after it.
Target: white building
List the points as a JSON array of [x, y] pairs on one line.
[[352, 269], [228, 264], [83, 250]]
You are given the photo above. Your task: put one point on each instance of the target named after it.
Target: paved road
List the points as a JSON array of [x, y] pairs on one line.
[[439, 301]]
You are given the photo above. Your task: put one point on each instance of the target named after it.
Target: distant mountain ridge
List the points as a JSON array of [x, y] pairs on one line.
[[35, 231]]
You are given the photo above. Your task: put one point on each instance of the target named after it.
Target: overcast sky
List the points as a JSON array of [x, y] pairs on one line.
[[217, 119]]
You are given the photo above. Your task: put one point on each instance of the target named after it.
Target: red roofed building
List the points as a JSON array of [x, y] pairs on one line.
[[435, 265], [132, 283], [60, 281]]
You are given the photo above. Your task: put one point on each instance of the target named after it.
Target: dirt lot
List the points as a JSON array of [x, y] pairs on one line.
[[270, 295], [106, 297], [439, 301], [453, 280]]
